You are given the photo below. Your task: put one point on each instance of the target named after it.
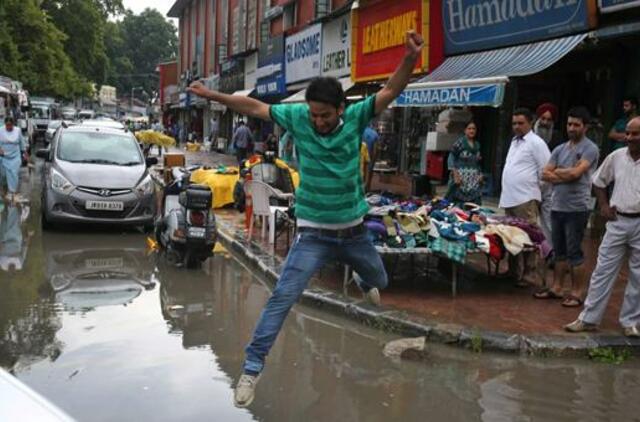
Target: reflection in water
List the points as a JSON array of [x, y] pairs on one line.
[[13, 243], [174, 352], [87, 273]]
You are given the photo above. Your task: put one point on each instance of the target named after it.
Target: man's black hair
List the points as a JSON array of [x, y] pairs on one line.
[[9, 119], [581, 113], [633, 100], [325, 90], [523, 111]]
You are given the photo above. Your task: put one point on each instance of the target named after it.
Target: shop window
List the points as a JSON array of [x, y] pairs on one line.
[[289, 16], [323, 7]]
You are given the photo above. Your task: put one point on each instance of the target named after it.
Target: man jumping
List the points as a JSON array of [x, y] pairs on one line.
[[330, 201]]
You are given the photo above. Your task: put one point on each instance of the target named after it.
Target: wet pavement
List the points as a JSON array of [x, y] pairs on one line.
[[108, 332]]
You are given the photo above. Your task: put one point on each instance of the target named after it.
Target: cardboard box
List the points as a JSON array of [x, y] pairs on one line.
[[174, 160]]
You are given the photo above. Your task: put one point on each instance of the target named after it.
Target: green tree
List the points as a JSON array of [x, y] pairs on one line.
[[141, 42], [83, 22], [33, 51]]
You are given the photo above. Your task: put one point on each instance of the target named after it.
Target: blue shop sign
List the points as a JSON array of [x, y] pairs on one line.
[[471, 25], [272, 85], [271, 69], [478, 95], [615, 5]]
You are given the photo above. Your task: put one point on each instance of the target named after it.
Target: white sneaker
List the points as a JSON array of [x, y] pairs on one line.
[[373, 296], [245, 390]]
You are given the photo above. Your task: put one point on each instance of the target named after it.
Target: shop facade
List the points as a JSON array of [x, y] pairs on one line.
[[378, 46], [490, 69]]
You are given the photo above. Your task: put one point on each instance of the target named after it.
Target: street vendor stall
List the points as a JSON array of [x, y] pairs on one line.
[[438, 227]]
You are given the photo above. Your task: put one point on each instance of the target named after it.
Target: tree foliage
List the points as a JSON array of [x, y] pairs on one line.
[[136, 45], [59, 47]]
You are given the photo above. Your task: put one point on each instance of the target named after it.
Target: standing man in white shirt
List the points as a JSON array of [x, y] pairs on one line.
[[521, 178], [623, 235]]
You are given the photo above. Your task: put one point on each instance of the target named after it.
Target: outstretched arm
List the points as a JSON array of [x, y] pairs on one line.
[[242, 105], [400, 78]]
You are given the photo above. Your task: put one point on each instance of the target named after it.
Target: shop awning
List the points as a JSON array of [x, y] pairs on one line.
[[298, 97], [243, 92], [478, 79]]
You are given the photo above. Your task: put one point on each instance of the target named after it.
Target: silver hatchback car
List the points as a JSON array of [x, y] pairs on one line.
[[96, 175]]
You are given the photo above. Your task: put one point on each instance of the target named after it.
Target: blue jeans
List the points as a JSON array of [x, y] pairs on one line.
[[310, 251], [567, 232]]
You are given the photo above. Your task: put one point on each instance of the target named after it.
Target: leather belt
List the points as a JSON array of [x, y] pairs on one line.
[[629, 215], [338, 234]]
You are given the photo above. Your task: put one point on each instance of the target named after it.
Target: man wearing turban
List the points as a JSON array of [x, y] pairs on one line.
[[547, 114]]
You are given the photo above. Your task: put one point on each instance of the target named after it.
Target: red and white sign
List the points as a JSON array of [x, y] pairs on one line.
[[378, 37]]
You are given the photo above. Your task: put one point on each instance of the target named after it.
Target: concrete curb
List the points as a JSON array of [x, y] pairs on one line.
[[399, 322]]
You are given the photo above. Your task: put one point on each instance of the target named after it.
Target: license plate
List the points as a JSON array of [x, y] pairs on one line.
[[104, 206], [99, 263], [197, 232]]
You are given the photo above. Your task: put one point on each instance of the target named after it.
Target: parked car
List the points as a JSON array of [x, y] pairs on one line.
[[51, 130], [86, 114], [96, 175]]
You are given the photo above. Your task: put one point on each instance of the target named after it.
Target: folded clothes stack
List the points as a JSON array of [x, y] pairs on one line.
[[444, 228]]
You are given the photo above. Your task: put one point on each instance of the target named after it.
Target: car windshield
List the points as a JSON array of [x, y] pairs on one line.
[[40, 112], [99, 148]]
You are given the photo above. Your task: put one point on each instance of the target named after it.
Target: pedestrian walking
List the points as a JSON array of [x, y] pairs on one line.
[[617, 134], [13, 149], [622, 236], [465, 180], [242, 140], [330, 203], [521, 195], [569, 171]]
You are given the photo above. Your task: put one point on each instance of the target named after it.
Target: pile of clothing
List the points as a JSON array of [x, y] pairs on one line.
[[449, 230]]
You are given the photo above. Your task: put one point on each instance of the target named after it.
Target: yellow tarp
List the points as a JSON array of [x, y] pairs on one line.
[[221, 185], [193, 147], [155, 138]]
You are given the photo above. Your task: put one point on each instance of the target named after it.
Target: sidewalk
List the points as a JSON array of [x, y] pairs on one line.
[[487, 309]]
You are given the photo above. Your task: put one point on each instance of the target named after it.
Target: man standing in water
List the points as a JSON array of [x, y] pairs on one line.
[[330, 203]]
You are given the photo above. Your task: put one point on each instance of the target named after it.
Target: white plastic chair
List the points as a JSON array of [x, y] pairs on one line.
[[260, 194]]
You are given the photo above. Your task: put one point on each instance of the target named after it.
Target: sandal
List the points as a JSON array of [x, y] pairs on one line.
[[571, 301], [547, 294]]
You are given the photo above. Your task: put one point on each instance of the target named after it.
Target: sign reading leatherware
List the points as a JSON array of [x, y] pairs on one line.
[[471, 25], [607, 6], [336, 47], [303, 54]]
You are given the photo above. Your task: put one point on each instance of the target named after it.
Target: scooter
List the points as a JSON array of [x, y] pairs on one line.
[[187, 230]]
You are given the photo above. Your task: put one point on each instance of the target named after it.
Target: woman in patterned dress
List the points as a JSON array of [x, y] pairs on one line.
[[465, 181]]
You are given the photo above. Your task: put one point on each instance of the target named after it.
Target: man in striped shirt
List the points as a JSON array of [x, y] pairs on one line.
[[330, 203]]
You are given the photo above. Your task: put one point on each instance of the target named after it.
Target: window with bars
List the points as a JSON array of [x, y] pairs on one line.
[[265, 30], [323, 8]]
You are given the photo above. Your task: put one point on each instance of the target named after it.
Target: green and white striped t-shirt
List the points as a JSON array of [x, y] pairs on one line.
[[331, 189]]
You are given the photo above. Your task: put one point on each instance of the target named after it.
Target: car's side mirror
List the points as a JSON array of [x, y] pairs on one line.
[[151, 161], [43, 153]]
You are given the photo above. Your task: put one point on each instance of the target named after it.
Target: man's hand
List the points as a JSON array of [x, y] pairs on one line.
[[609, 213], [414, 43], [198, 89]]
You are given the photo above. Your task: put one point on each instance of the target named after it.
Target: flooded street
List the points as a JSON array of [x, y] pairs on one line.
[[107, 332]]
